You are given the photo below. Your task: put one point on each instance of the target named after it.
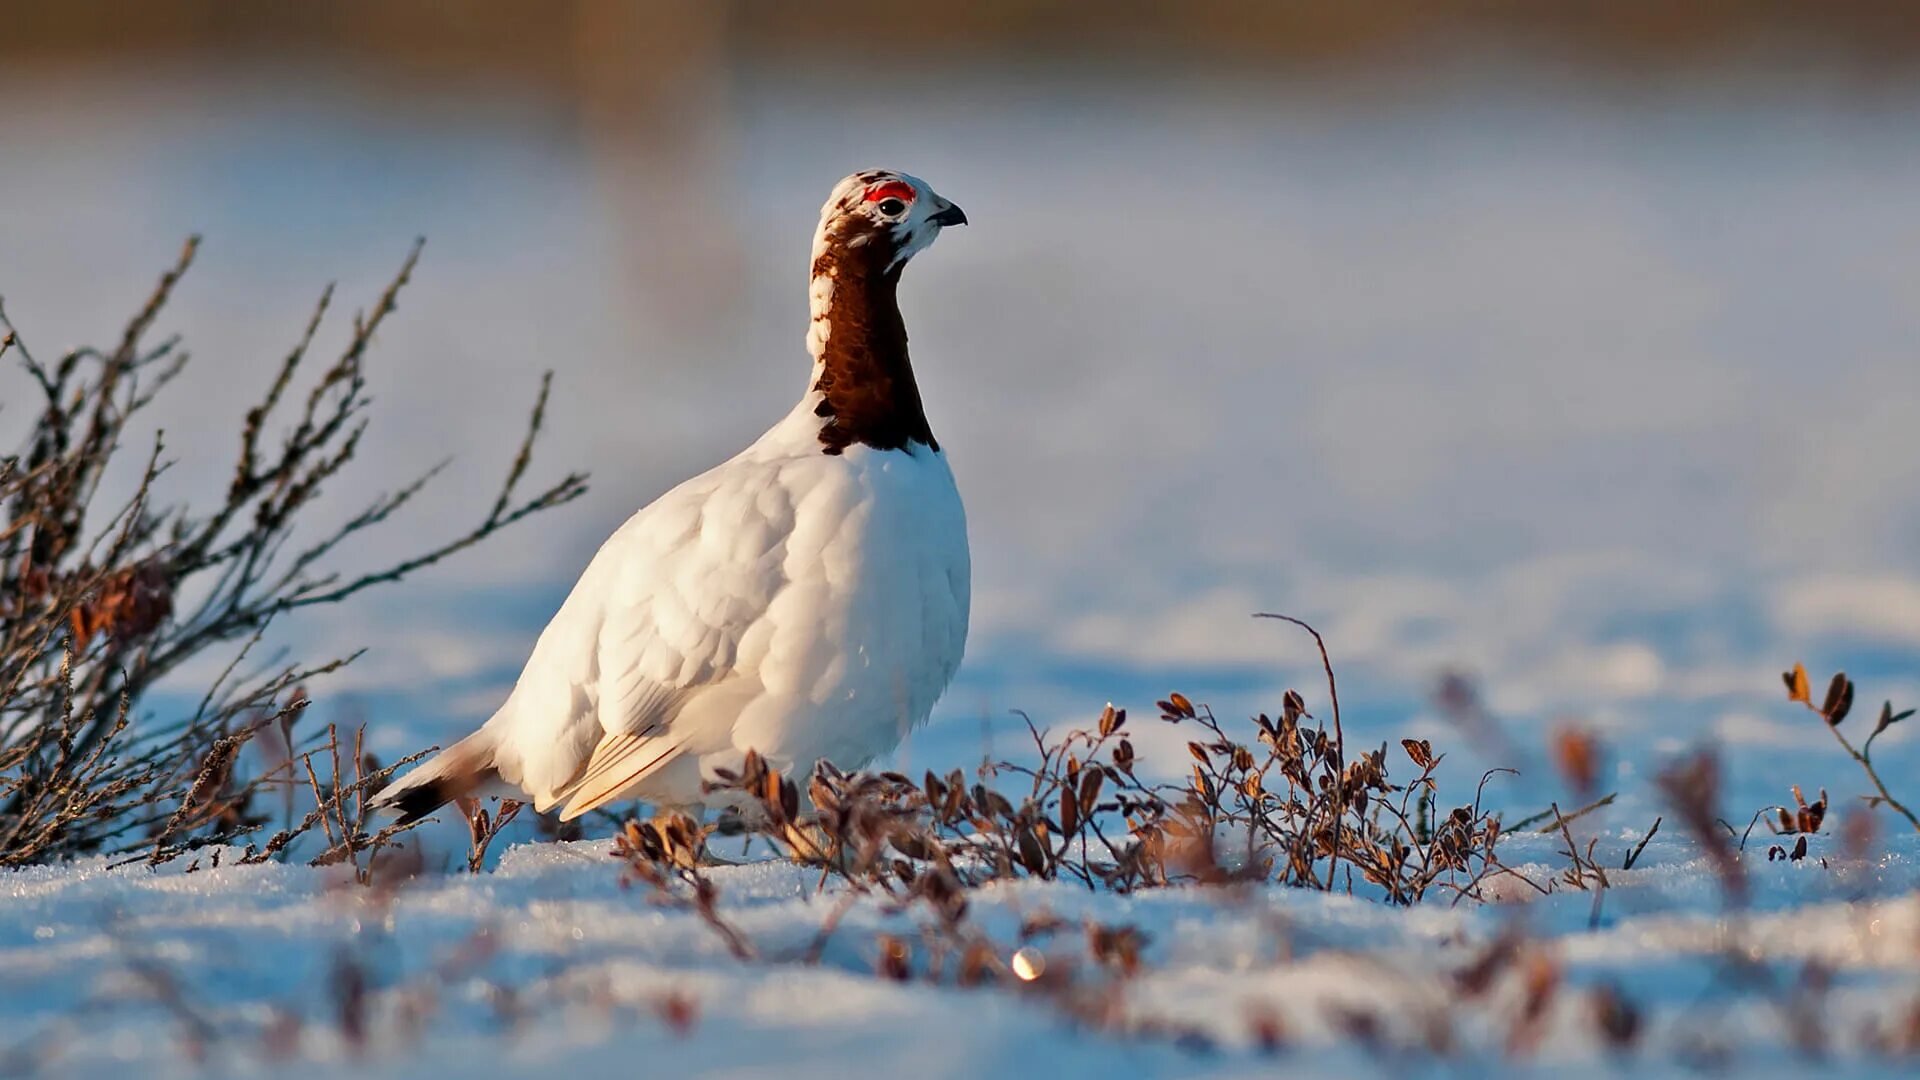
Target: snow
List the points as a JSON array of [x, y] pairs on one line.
[[567, 971]]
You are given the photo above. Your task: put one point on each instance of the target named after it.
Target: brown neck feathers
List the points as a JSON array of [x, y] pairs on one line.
[[868, 395]]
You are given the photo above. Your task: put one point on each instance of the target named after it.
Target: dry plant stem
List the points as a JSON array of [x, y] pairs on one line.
[[1553, 812], [1755, 820], [1339, 734], [1866, 764], [1833, 711], [1634, 855], [483, 828]]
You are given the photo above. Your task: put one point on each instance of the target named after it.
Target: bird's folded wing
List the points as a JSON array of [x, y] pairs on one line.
[[667, 605], [618, 762]]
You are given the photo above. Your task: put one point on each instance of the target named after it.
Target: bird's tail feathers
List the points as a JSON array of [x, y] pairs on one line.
[[456, 772]]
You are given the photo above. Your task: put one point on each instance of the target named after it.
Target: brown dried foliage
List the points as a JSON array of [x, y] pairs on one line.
[[1833, 710], [1285, 806], [483, 828]]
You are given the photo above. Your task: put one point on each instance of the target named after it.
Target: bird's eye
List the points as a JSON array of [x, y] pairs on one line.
[[891, 207]]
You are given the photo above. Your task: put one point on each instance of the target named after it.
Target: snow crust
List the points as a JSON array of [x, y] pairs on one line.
[[570, 973]]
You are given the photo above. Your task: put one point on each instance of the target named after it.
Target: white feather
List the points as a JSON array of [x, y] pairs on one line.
[[801, 604]]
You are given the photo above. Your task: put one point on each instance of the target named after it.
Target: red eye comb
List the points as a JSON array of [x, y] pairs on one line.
[[892, 189]]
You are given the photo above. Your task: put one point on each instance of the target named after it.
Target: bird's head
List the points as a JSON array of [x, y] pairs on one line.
[[891, 214]]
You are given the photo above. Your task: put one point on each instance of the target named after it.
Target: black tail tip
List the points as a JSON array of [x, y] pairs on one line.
[[417, 802]]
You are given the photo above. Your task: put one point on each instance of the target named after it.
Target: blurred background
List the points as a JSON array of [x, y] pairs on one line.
[[1567, 346]]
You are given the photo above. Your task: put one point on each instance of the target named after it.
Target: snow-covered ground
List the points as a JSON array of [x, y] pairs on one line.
[[1593, 390], [548, 966]]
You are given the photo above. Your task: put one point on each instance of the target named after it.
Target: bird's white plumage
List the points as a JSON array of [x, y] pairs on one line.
[[796, 603], [802, 604]]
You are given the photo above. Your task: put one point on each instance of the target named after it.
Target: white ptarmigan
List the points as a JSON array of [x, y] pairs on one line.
[[807, 599]]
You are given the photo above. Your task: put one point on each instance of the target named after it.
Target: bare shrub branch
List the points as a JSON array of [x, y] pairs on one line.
[[91, 614]]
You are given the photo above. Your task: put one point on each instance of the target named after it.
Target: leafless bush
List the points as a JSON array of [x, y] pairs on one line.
[[99, 603]]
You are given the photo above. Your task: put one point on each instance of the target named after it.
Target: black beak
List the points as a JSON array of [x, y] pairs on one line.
[[952, 215]]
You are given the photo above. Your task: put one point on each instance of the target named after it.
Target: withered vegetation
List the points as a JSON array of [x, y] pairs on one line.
[[1283, 808], [1279, 802], [1834, 709], [99, 603]]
